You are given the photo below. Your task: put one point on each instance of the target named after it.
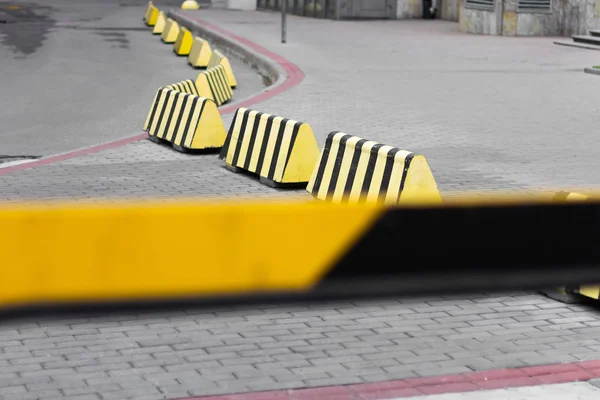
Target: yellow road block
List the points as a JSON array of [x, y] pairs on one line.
[[159, 27], [152, 15], [184, 41], [190, 5], [356, 170], [148, 11], [217, 58], [279, 150], [213, 84], [200, 54], [187, 121], [171, 31]]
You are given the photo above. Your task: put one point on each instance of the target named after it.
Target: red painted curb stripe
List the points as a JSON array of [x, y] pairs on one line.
[[457, 383], [294, 77]]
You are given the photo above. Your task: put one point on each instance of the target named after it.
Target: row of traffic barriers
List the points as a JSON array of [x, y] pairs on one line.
[[282, 152]]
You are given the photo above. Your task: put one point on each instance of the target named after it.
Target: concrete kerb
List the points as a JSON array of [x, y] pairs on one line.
[[593, 71], [274, 73]]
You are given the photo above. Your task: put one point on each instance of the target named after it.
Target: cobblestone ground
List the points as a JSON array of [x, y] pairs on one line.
[[489, 113]]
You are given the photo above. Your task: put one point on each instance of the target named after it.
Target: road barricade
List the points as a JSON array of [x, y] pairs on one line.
[[217, 58], [356, 170], [159, 27], [171, 31], [213, 83], [151, 14], [183, 44], [200, 54], [187, 121], [279, 150]]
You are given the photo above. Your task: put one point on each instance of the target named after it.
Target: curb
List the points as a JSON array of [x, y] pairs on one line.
[[593, 71], [584, 371], [284, 74]]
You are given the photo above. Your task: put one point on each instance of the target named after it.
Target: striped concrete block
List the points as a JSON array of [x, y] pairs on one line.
[[213, 84], [200, 53], [188, 86], [217, 58], [356, 170], [187, 121], [279, 150]]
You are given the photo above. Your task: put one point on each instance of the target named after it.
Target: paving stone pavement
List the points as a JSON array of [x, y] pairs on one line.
[[487, 114]]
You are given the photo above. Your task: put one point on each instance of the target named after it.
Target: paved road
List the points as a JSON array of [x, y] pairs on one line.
[[487, 120], [80, 72]]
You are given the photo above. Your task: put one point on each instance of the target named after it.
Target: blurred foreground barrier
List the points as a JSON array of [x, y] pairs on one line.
[[183, 44], [170, 32], [213, 84], [186, 121], [159, 27], [102, 253], [217, 58], [352, 169], [279, 150], [200, 54]]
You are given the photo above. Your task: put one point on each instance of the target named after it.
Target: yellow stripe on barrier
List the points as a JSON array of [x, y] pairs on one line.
[[103, 252]]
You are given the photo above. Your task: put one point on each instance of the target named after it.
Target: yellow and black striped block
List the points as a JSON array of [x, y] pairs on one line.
[[183, 44], [279, 150], [92, 253], [217, 58], [151, 15], [356, 170], [186, 121], [200, 53], [159, 27], [187, 86], [170, 32], [213, 84]]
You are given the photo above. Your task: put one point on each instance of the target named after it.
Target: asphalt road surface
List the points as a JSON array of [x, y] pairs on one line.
[[74, 73]]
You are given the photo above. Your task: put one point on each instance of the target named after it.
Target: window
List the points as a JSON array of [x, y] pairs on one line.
[[485, 5], [534, 6]]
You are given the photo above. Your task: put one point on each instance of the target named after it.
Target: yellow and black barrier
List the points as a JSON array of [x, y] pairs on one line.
[[279, 150], [213, 84], [159, 27], [217, 58], [183, 44], [200, 54], [352, 169], [100, 253], [188, 86], [170, 32], [151, 14], [186, 121]]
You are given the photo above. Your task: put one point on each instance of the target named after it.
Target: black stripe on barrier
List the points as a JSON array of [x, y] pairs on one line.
[[407, 162], [355, 158], [337, 166], [295, 131], [387, 174], [154, 108], [180, 117], [238, 146], [189, 119], [277, 148], [253, 136], [463, 248], [323, 164], [225, 148], [265, 143], [374, 154]]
